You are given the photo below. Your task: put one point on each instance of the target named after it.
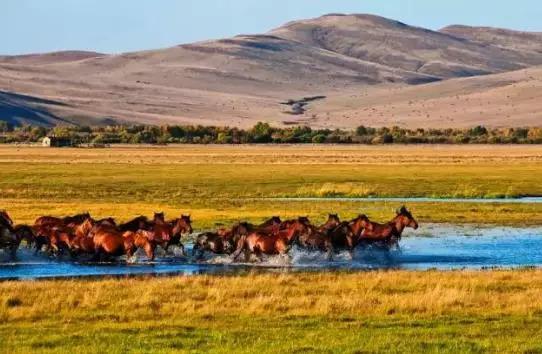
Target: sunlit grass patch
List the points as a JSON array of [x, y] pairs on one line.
[[378, 311]]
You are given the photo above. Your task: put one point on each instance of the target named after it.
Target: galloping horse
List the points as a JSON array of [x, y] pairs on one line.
[[180, 226], [83, 243], [258, 243], [8, 238], [347, 234], [273, 225], [211, 242], [108, 241], [66, 221], [224, 240], [318, 239], [135, 240], [136, 224], [25, 232], [387, 235]]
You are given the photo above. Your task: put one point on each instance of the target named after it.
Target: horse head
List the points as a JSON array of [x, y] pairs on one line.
[[333, 221], [159, 217], [406, 219], [183, 225], [4, 217]]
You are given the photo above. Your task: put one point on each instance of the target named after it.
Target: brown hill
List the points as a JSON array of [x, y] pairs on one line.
[[530, 43], [398, 45], [510, 99], [354, 60]]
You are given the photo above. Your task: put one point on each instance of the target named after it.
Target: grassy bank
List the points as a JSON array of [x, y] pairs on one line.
[[221, 184], [498, 311]]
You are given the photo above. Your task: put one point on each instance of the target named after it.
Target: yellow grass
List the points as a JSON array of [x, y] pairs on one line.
[[410, 311]]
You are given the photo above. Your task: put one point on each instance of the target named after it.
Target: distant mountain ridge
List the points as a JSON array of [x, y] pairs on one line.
[[241, 80]]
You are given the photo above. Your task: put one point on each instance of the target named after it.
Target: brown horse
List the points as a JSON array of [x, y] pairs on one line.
[[347, 234], [8, 238], [107, 221], [25, 232], [66, 221], [387, 235], [72, 221], [212, 242], [160, 233], [179, 227], [257, 243], [135, 240], [83, 243], [318, 239], [273, 225], [136, 224], [332, 222], [5, 219], [108, 242]]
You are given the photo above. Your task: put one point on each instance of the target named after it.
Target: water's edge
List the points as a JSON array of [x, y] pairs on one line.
[[435, 246]]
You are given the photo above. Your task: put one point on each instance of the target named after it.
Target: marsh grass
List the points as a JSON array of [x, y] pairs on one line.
[[374, 311], [446, 312], [225, 184]]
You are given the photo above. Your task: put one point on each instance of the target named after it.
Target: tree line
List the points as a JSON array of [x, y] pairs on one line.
[[263, 133]]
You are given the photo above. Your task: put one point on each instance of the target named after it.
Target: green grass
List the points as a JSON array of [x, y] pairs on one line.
[[444, 312], [216, 193]]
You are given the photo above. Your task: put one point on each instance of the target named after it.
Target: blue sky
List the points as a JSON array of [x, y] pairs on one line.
[[112, 26]]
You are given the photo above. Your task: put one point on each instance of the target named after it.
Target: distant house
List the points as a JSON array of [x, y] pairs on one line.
[[53, 141]]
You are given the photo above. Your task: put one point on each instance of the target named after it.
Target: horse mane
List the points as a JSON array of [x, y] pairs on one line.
[[5, 220]]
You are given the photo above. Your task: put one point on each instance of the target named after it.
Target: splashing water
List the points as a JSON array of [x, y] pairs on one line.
[[434, 246]]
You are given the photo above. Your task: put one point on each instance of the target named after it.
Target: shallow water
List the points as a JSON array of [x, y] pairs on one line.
[[443, 247]]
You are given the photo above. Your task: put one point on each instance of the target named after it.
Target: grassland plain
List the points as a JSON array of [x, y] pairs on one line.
[[449, 312], [222, 184], [403, 312]]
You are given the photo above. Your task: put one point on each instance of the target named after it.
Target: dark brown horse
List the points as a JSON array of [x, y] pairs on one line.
[[66, 221], [107, 221], [212, 242], [136, 224], [179, 227], [319, 239], [347, 234], [159, 217], [5, 219], [388, 235], [72, 221], [255, 242], [273, 225], [25, 232], [159, 233], [8, 238]]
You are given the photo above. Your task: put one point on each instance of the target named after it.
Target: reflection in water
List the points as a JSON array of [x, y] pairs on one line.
[[435, 246]]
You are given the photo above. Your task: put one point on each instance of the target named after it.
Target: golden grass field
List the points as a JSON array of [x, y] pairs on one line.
[[399, 311], [222, 184], [403, 312]]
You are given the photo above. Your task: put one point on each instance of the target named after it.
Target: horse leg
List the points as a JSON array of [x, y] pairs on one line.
[[97, 254], [350, 244], [240, 248], [40, 242], [257, 252], [13, 250], [329, 247], [183, 250], [149, 250]]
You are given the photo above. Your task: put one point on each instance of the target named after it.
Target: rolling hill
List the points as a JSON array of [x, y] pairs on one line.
[[372, 71]]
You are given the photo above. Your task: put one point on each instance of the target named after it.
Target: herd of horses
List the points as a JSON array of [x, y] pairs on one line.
[[105, 239]]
